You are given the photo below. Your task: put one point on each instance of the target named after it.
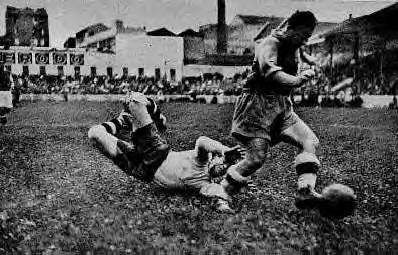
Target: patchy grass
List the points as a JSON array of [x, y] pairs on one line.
[[59, 194]]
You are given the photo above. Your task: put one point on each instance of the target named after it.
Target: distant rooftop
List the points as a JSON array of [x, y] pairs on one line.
[[39, 11], [254, 20], [190, 33], [161, 32]]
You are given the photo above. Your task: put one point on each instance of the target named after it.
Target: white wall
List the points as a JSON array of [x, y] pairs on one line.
[[97, 37], [51, 68], [132, 51], [150, 52], [101, 61], [227, 71]]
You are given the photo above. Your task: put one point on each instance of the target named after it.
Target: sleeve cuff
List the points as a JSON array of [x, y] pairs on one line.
[[271, 71]]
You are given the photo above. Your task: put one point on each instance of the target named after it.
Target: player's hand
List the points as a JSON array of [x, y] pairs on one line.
[[222, 206], [233, 154], [126, 119], [306, 75], [309, 73]]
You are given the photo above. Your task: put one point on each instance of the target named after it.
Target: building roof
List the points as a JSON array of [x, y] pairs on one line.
[[161, 32], [257, 20], [380, 24], [97, 27], [190, 33], [14, 10]]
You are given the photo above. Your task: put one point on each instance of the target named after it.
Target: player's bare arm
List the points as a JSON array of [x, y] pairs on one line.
[[268, 57]]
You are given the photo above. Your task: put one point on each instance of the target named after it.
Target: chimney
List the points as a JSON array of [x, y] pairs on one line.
[[119, 25], [221, 28]]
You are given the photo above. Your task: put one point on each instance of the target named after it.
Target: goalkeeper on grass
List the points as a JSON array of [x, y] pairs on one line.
[[147, 156]]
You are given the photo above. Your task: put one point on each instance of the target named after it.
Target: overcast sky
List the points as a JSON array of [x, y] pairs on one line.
[[66, 17]]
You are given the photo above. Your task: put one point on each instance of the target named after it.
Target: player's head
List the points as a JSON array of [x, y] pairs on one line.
[[217, 167], [219, 164], [300, 26]]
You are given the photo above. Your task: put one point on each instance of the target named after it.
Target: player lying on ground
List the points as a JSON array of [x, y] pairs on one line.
[[148, 157]]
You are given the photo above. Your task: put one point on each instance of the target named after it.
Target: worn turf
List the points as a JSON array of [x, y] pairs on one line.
[[59, 194]]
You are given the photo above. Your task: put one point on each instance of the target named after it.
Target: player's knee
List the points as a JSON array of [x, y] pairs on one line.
[[200, 141], [311, 144], [95, 131]]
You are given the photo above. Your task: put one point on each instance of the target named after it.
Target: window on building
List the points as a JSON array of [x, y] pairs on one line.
[[157, 74], [93, 71], [60, 70], [109, 71], [42, 70], [140, 72], [77, 71], [125, 71], [173, 74], [25, 70]]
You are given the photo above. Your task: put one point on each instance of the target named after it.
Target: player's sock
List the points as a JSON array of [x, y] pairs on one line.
[[233, 181], [155, 113], [307, 166], [114, 126]]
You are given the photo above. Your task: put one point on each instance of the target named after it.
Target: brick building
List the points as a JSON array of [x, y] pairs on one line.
[[26, 27]]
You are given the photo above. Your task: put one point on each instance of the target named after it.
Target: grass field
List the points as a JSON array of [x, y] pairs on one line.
[[59, 195]]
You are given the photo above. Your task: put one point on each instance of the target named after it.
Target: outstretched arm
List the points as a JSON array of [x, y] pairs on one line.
[[205, 145], [267, 55], [311, 60], [215, 190]]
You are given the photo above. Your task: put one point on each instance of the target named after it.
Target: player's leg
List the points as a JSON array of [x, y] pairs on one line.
[[104, 139], [104, 135], [306, 162], [140, 101], [123, 154], [255, 154], [146, 137]]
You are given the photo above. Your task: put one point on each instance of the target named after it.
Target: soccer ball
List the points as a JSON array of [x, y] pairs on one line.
[[339, 201]]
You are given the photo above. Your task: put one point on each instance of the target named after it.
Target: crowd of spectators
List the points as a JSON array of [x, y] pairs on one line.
[[46, 84], [207, 84]]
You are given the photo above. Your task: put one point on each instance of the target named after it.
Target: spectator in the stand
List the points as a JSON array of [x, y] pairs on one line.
[[160, 87], [133, 85], [124, 87], [16, 90], [394, 103]]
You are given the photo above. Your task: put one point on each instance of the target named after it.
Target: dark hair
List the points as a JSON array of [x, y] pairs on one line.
[[302, 18]]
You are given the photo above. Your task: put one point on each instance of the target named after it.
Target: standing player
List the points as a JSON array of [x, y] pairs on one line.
[[264, 116], [148, 157], [5, 94]]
